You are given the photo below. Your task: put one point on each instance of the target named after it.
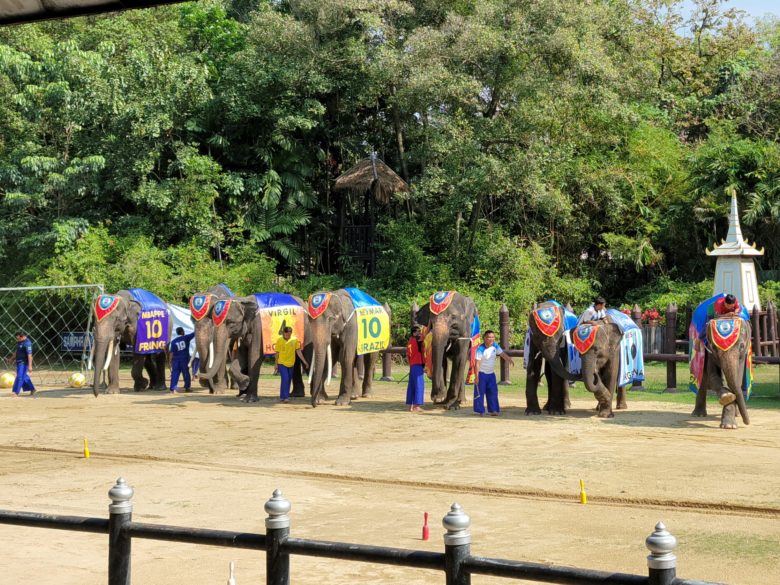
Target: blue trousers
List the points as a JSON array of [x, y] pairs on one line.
[[180, 366], [22, 381], [415, 389], [286, 373], [487, 388]]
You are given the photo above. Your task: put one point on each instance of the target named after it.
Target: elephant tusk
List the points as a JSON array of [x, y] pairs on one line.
[[311, 366], [109, 355], [116, 349], [211, 355], [330, 366], [91, 356]]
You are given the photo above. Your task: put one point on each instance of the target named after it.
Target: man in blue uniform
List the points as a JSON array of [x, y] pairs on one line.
[[180, 359], [23, 365]]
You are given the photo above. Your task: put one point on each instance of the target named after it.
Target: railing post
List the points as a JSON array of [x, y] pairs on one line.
[[277, 529], [120, 513], [503, 331], [671, 347], [661, 563], [457, 545], [636, 317], [754, 318]]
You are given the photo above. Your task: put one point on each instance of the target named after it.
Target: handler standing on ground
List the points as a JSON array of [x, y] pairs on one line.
[[415, 389], [485, 385], [24, 366], [286, 348], [180, 359]]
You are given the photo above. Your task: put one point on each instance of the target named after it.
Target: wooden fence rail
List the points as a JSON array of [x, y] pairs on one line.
[[766, 345], [457, 562]]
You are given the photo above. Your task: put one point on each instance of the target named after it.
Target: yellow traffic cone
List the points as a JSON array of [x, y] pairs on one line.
[[86, 449], [583, 495]]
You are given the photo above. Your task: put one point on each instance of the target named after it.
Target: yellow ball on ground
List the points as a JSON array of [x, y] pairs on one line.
[[7, 380], [77, 380]]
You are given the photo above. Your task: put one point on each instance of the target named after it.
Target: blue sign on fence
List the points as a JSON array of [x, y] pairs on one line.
[[73, 341]]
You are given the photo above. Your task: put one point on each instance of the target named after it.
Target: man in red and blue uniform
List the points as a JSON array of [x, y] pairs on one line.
[[726, 305], [23, 365], [415, 389], [180, 359]]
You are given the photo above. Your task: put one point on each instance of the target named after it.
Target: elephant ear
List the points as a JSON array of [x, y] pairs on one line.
[[423, 316]]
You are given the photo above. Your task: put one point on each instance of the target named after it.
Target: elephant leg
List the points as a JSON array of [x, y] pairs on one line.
[[532, 379], [150, 371], [298, 388], [137, 371], [456, 391], [711, 379], [160, 362], [113, 376], [254, 379], [608, 374], [621, 398], [349, 373], [555, 389], [369, 370], [353, 393], [728, 419]]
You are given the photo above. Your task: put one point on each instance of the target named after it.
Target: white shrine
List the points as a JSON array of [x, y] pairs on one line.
[[735, 271]]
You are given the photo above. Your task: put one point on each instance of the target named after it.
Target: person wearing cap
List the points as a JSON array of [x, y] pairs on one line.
[[595, 313], [726, 305], [24, 365], [287, 347], [415, 389], [180, 359]]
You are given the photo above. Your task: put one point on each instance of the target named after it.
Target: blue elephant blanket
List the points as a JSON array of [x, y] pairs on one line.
[[152, 326]]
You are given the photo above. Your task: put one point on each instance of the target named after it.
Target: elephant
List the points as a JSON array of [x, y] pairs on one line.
[[243, 332], [548, 346], [119, 325], [725, 365], [601, 364], [205, 336], [334, 334], [451, 331]]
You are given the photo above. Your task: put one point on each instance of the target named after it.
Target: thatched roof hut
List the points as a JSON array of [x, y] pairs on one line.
[[373, 176]]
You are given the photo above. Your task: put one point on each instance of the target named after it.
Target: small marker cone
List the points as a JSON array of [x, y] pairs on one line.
[[86, 449], [583, 495], [426, 530], [232, 578]]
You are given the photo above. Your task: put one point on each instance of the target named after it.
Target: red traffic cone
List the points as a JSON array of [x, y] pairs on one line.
[[426, 531]]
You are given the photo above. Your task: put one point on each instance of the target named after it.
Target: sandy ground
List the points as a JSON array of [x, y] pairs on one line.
[[366, 473]]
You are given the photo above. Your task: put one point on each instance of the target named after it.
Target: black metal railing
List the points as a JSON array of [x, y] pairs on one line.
[[456, 561]]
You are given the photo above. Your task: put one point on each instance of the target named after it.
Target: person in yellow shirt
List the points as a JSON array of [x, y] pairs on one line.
[[286, 348]]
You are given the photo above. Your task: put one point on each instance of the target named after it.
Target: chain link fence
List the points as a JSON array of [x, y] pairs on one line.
[[58, 321]]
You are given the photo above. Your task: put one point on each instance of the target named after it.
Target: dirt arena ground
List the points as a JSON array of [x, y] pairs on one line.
[[366, 473]]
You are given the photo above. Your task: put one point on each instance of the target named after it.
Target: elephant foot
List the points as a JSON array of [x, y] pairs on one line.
[[342, 400], [367, 394], [621, 406], [567, 404], [298, 394], [605, 413], [438, 398], [112, 390], [556, 411], [163, 388], [534, 411], [699, 412], [453, 405], [249, 398], [727, 398], [353, 397], [728, 419], [220, 391]]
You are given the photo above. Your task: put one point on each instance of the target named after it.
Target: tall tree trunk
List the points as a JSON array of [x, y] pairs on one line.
[[475, 211], [399, 137]]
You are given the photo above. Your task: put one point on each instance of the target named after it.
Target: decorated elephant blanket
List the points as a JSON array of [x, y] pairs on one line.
[[725, 333], [631, 367], [277, 311], [153, 320], [373, 322]]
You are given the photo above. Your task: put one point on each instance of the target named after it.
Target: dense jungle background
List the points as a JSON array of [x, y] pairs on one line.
[[552, 148]]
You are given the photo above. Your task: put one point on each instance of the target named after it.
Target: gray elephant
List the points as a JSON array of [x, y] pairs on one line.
[[729, 347], [547, 324], [237, 327], [116, 322], [334, 333], [211, 370], [599, 347], [451, 318]]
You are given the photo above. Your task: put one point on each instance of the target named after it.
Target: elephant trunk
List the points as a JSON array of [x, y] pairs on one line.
[[217, 352], [103, 349], [319, 363], [734, 374], [438, 349], [592, 379]]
